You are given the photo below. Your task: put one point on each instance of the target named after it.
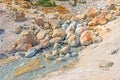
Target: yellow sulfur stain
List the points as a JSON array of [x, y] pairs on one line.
[[32, 65]]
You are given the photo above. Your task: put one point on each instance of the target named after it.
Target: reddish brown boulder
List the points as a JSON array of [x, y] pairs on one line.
[[86, 38]]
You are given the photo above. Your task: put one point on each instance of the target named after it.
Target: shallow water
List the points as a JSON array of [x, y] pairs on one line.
[[6, 71]]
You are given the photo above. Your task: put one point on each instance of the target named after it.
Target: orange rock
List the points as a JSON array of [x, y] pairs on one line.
[[94, 22], [59, 33], [31, 66], [109, 16], [86, 38], [41, 35], [80, 16], [92, 12], [101, 30], [102, 20]]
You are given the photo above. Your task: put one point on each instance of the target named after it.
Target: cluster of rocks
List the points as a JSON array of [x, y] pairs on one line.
[[61, 34]]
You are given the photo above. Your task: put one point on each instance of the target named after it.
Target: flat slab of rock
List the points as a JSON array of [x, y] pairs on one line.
[[32, 65], [7, 60]]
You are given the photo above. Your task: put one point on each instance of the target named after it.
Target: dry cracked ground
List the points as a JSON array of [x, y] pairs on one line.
[[60, 46]]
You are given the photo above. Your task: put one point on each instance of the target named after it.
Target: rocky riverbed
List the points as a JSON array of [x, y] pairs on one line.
[[37, 40]]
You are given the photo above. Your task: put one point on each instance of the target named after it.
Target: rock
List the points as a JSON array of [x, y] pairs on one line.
[[40, 22], [19, 16], [65, 25], [65, 50], [49, 56], [44, 43], [73, 54], [93, 22], [1, 31], [17, 30], [59, 33], [41, 35], [55, 53], [55, 24], [47, 26], [55, 40], [92, 12], [56, 46], [109, 17], [71, 28], [25, 4], [97, 20], [86, 38], [97, 39], [101, 30], [3, 56], [26, 37], [23, 47], [105, 64], [115, 51], [102, 20], [117, 13], [31, 52], [80, 30], [30, 66], [14, 44], [73, 40], [112, 7], [80, 16]]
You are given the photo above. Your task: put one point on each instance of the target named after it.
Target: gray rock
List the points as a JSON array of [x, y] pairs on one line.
[[73, 40], [1, 31], [79, 30], [115, 51], [105, 64], [31, 52], [49, 56], [3, 56], [56, 46], [64, 26], [97, 39], [65, 50]]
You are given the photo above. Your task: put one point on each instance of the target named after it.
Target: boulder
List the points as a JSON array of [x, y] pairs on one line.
[[73, 40], [59, 33], [86, 38]]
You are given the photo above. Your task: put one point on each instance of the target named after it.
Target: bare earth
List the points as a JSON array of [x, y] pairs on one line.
[[87, 67]]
